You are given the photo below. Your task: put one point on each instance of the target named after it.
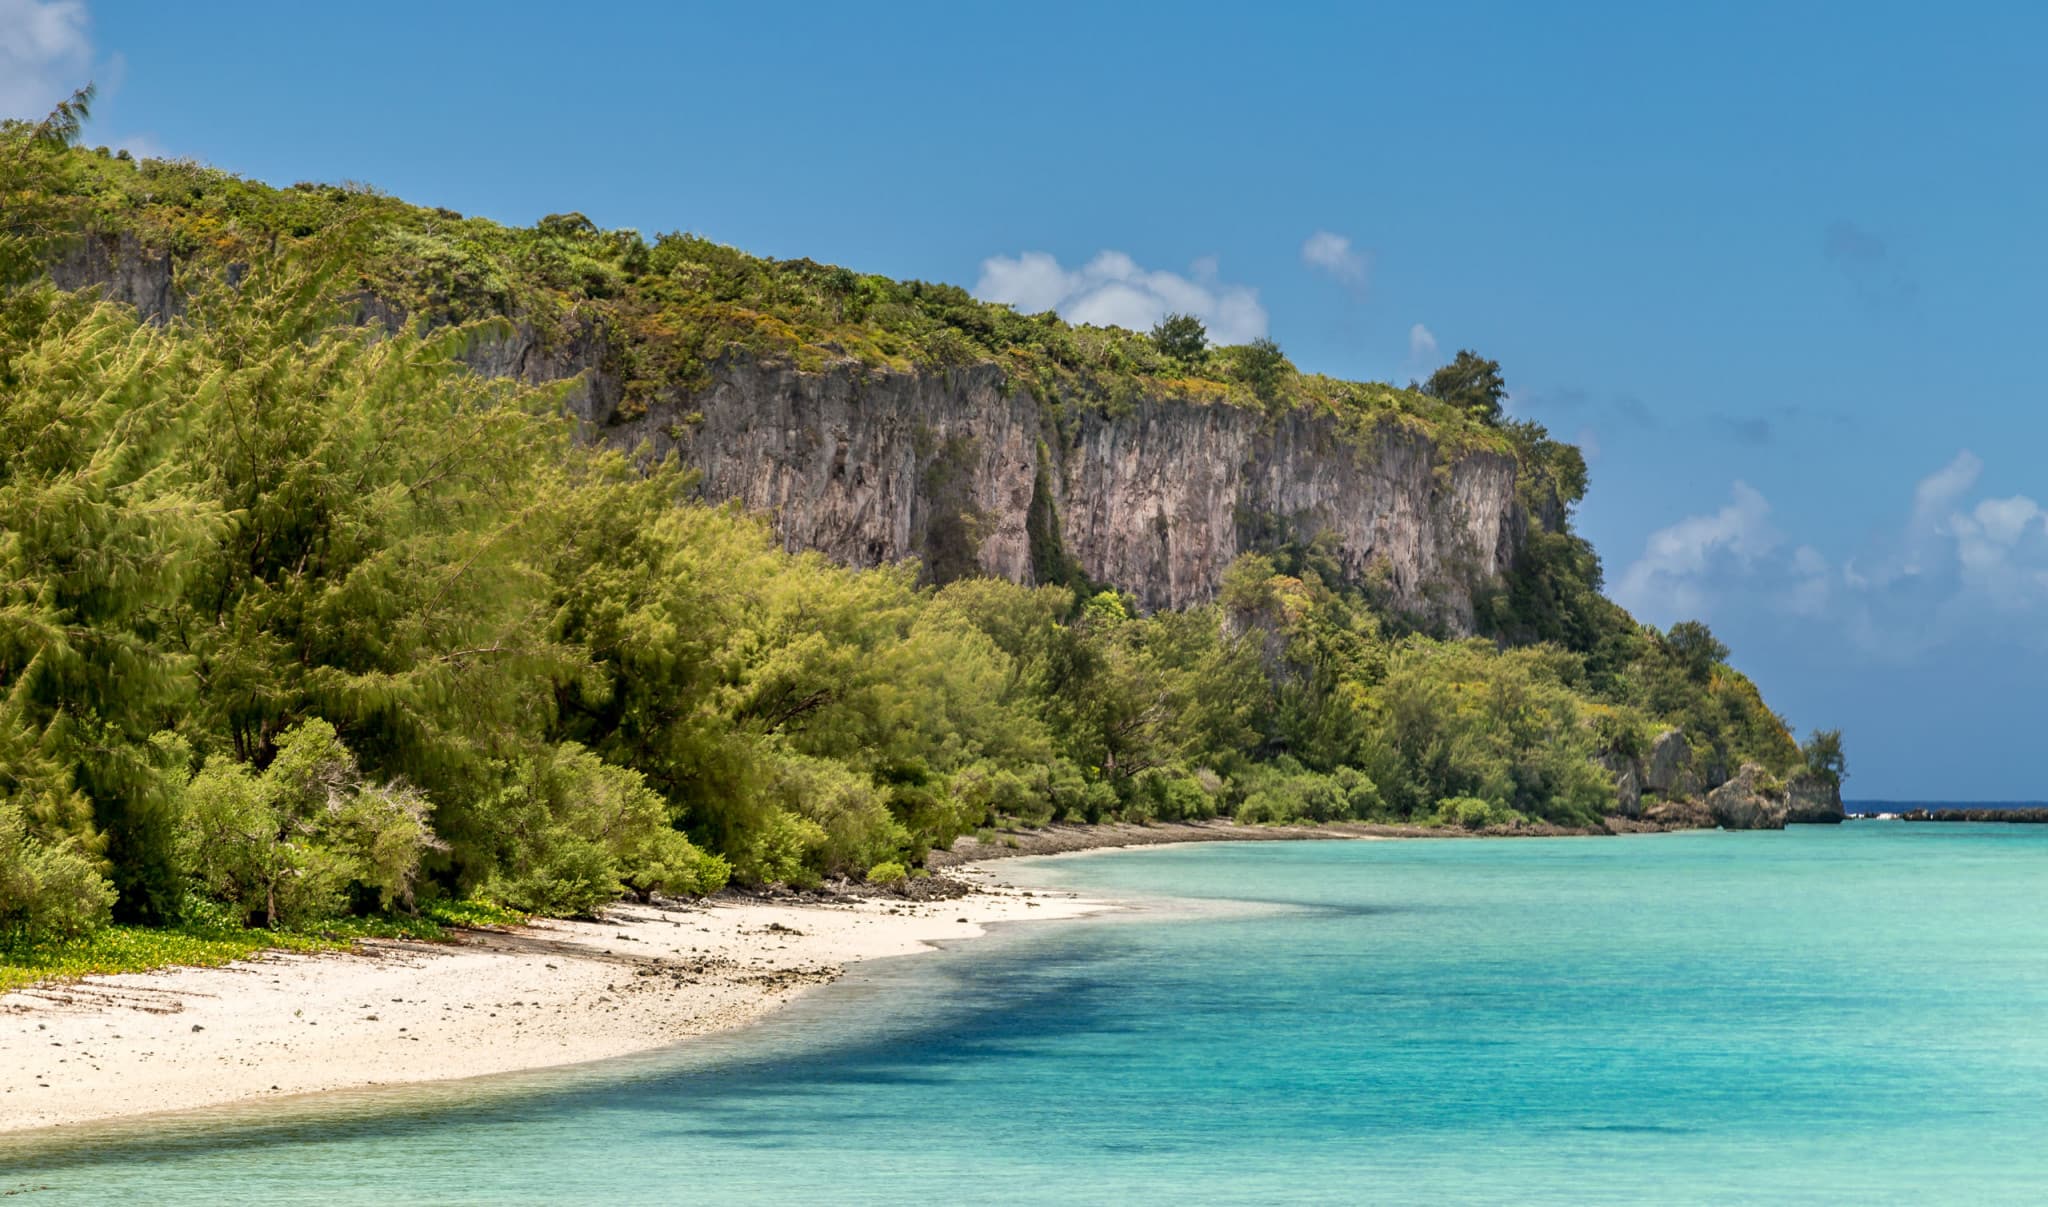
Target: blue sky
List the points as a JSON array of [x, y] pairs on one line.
[[1777, 267]]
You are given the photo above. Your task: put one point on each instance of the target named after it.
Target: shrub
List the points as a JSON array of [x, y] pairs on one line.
[[46, 891], [1472, 813], [1161, 794], [578, 832], [850, 812], [291, 844], [1262, 366], [998, 793], [1822, 752], [1361, 796], [888, 872], [1283, 792], [782, 849]]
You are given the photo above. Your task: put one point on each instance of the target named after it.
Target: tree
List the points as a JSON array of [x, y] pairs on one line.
[[1472, 382], [95, 545], [1182, 337], [1824, 757], [1696, 649], [1262, 366]]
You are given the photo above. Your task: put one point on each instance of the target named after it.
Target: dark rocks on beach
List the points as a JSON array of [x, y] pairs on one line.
[[2020, 816], [1683, 814]]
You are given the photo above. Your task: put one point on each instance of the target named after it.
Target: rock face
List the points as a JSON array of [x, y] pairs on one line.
[[125, 271], [1813, 800], [1628, 785], [1746, 803], [1669, 771], [1750, 800], [970, 475]]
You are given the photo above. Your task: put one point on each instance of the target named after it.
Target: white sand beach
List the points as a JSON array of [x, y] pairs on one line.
[[554, 993]]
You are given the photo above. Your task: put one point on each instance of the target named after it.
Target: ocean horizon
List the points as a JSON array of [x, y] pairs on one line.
[[1875, 805]]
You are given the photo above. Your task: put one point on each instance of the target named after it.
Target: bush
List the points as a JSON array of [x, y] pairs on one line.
[[293, 844], [888, 872], [848, 809], [1160, 794], [782, 849], [1471, 813], [1282, 792], [1262, 366], [1822, 753], [578, 832], [46, 891]]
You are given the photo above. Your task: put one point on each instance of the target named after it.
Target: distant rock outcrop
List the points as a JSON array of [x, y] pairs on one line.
[[1685, 813], [1666, 788], [1749, 801], [1670, 772], [2010, 816], [1813, 800]]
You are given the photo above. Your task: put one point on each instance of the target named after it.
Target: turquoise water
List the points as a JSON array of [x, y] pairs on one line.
[[1830, 1014]]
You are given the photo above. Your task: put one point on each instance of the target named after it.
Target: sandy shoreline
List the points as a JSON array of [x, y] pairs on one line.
[[390, 1013], [552, 994]]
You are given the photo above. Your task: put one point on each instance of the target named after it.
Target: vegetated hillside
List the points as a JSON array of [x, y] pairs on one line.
[[877, 420], [302, 617]]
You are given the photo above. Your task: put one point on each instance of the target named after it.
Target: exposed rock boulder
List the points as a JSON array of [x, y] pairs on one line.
[[1749, 801], [1813, 800], [1683, 814], [1669, 770], [1628, 785]]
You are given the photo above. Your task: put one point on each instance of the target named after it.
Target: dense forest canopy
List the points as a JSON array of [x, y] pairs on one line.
[[301, 619]]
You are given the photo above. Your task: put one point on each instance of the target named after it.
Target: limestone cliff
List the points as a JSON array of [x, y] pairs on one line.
[[1157, 497]]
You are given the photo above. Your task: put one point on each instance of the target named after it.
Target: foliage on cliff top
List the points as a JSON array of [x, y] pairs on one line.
[[674, 306]]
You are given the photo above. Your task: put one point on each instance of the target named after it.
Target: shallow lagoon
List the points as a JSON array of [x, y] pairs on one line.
[[1826, 1014]]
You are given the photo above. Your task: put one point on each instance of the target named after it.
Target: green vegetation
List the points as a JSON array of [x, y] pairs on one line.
[[305, 629], [1472, 383], [209, 940], [1822, 753], [1181, 337]]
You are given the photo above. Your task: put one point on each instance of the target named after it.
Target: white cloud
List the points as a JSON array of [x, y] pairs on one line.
[[1332, 253], [1681, 564], [1959, 568], [1421, 345], [1114, 290], [45, 53]]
